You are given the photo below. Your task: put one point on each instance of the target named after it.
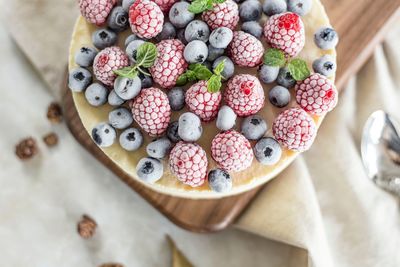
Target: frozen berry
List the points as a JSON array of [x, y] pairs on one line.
[[104, 135], [176, 97], [219, 181], [252, 27], [126, 4], [214, 53], [225, 14], [114, 100], [197, 30], [325, 65], [268, 74], [246, 50], [127, 88], [104, 38], [131, 38], [165, 5], [96, 11], [254, 127], [146, 19], [179, 14], [120, 118], [285, 79], [147, 81], [159, 148], [226, 119], [250, 10], [195, 52], [273, 7], [131, 139], [168, 32], [190, 128], [118, 19], [279, 96], [268, 151], [229, 67], [84, 57], [131, 49], [149, 170], [221, 37], [180, 35], [300, 7], [326, 38], [96, 94], [172, 132], [79, 79]]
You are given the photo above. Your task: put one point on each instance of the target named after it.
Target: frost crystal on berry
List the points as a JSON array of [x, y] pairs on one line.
[[151, 111], [232, 151], [294, 129], [285, 32], [246, 50], [316, 94], [244, 94], [165, 5], [225, 14], [146, 19], [188, 162], [96, 11], [107, 61]]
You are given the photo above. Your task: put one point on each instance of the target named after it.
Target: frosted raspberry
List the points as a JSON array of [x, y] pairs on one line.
[[225, 14], [170, 63], [232, 151], [151, 111], [96, 11], [146, 18], [108, 60], [188, 162], [244, 94], [316, 94], [294, 129], [246, 50], [285, 32], [201, 102], [165, 5]]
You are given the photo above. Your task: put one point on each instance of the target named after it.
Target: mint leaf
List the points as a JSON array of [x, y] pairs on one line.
[[298, 69], [182, 80], [214, 83], [127, 72], [219, 68], [274, 57], [146, 55], [201, 72], [198, 6], [219, 1]]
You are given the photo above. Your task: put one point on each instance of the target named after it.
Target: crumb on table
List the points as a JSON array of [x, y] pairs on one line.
[[26, 148]]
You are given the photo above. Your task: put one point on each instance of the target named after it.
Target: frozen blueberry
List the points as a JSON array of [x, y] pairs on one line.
[[84, 57], [149, 170], [114, 100], [147, 81], [326, 38], [273, 7], [254, 127], [226, 118], [267, 151], [229, 67], [127, 88], [104, 134], [221, 37], [279, 96], [179, 14], [300, 7], [195, 52], [214, 53], [219, 180], [131, 49], [250, 10], [325, 65], [131, 139], [268, 74], [190, 128], [197, 30], [285, 78], [180, 34], [208, 65], [159, 148], [96, 94], [120, 118], [131, 38], [118, 20], [126, 4], [176, 97], [252, 27], [168, 32], [104, 38], [172, 132], [79, 79]]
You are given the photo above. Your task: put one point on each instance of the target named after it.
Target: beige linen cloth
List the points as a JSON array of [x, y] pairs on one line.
[[322, 211]]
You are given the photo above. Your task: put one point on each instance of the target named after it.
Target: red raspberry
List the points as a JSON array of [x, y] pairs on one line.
[[151, 111], [146, 18], [201, 102], [170, 63], [96, 11], [244, 94], [232, 151], [246, 50], [225, 14], [108, 60], [294, 129], [316, 94], [165, 5], [285, 32], [188, 161]]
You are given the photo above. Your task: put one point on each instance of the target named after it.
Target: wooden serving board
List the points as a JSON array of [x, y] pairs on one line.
[[361, 25]]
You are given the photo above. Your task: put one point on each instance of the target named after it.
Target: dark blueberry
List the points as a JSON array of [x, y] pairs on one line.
[[179, 15], [114, 99], [104, 38], [131, 49], [104, 134], [252, 27], [250, 10], [176, 97], [159, 148], [219, 180], [285, 78], [267, 151], [96, 94], [120, 118], [84, 57], [279, 96], [147, 81], [325, 65], [149, 170], [254, 127], [172, 132], [79, 79], [197, 30], [300, 7], [168, 32], [118, 20], [131, 139], [196, 52], [268, 74], [273, 7], [326, 38], [221, 37], [214, 53], [229, 67], [127, 88]]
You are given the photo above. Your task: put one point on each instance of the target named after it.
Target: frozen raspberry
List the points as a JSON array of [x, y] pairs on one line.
[[188, 161], [244, 94], [225, 14], [146, 19], [294, 129], [96, 11], [232, 151], [285, 32], [165, 5], [151, 111], [170, 63], [246, 50], [201, 102], [108, 60], [316, 94]]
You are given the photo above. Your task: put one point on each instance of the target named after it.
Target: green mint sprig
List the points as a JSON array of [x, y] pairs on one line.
[[199, 6], [145, 57], [297, 67], [214, 84]]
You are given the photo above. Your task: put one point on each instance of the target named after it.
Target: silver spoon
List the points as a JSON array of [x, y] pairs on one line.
[[380, 151]]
